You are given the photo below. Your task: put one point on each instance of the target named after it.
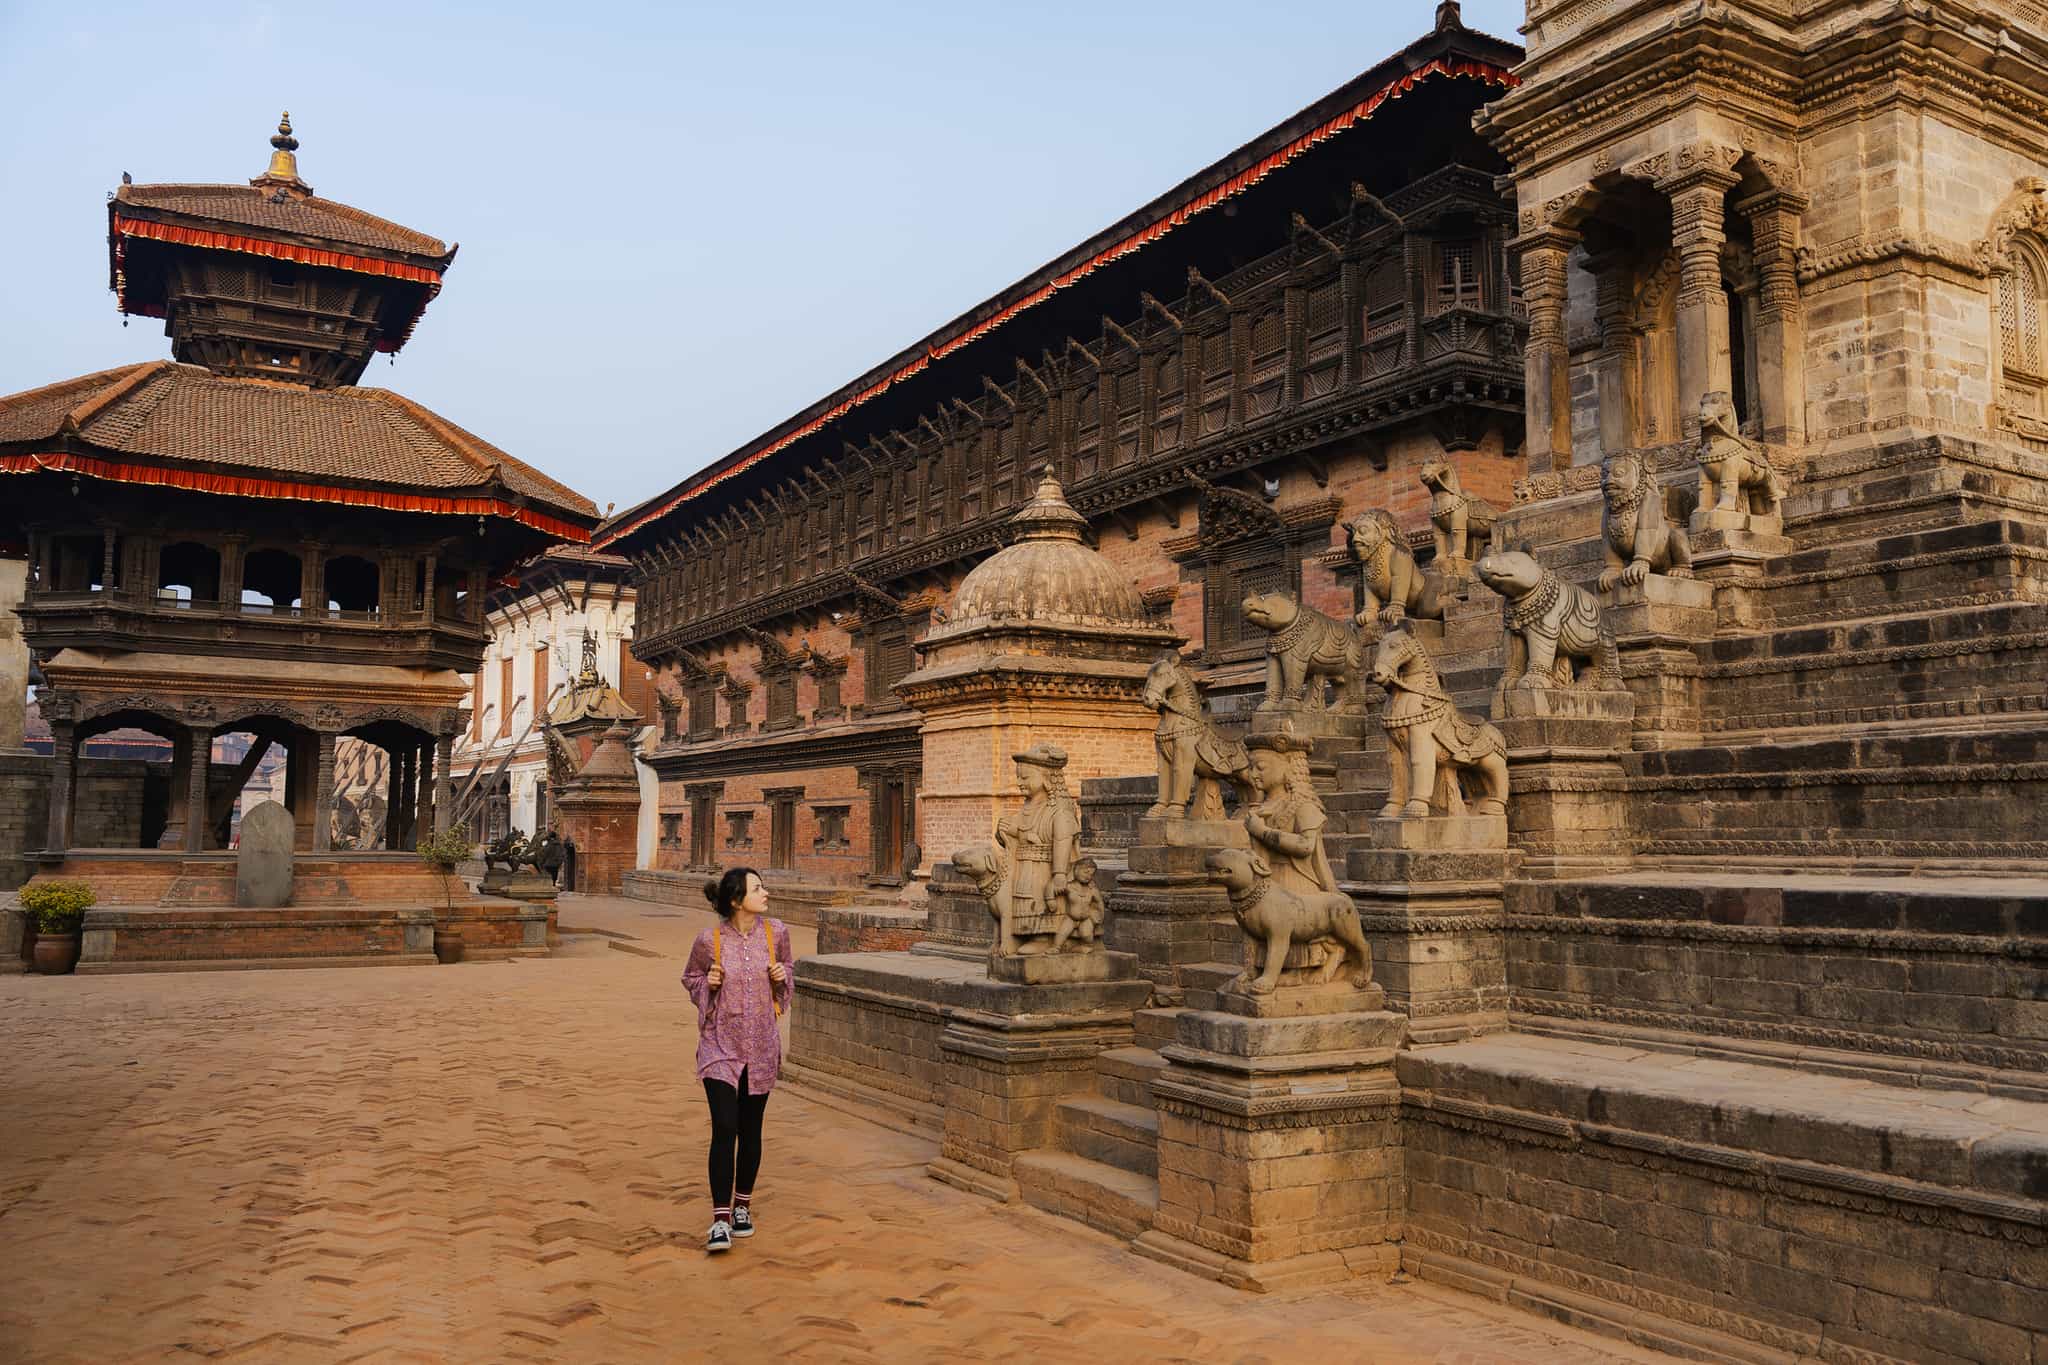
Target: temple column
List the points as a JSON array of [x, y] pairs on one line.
[[444, 794], [1546, 365], [232, 551], [63, 782], [107, 561], [312, 584], [1698, 233], [323, 795], [198, 763], [1781, 323], [1616, 374], [391, 790]]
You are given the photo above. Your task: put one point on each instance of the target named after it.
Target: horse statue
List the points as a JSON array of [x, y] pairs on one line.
[[1194, 757], [1431, 745]]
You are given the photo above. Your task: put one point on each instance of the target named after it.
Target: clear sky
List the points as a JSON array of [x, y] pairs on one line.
[[680, 223]]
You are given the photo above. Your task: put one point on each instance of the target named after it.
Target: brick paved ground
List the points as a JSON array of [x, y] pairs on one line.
[[501, 1162]]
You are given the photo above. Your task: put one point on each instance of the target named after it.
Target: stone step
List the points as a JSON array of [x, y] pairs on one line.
[[1983, 660], [1107, 1198], [1125, 1074], [1944, 567], [1112, 1132], [1155, 1028]]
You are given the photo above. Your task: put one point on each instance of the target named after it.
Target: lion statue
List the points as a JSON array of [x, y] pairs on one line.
[[1277, 919], [1307, 648], [1736, 474], [1552, 625], [1454, 516], [1395, 587], [1439, 743], [1641, 538]]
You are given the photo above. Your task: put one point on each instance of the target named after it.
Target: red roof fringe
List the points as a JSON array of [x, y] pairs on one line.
[[125, 226], [243, 486], [1145, 236]]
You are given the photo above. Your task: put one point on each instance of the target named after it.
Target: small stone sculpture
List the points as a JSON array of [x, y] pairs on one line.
[[1277, 919], [1641, 540], [1455, 516], [1288, 819], [1431, 745], [1195, 759], [1039, 844], [509, 850], [1552, 625], [1736, 474], [1395, 586], [1307, 647], [1082, 906]]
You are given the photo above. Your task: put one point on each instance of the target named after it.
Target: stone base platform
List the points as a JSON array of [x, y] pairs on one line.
[[1727, 1210], [174, 938]]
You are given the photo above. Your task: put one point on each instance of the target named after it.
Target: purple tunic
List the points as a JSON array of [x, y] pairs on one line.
[[736, 1024]]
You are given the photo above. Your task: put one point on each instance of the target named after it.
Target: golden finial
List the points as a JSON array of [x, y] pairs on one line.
[[284, 161]]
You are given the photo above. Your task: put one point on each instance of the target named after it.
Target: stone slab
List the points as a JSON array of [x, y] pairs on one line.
[[263, 857], [1319, 1035], [1457, 833], [1160, 832], [1042, 969], [1287, 1001]]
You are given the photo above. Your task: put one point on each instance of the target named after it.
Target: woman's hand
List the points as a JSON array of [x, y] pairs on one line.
[[777, 973], [715, 978]]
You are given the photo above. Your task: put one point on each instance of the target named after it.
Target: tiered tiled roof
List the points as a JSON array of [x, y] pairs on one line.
[[262, 211], [181, 426]]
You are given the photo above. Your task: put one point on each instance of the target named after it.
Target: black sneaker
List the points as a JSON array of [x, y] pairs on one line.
[[742, 1222], [720, 1238]]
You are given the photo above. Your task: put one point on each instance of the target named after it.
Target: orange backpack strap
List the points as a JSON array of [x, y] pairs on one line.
[[717, 948], [768, 928]]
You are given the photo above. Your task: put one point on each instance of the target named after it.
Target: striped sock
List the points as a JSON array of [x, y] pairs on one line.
[[743, 1200], [721, 1215]]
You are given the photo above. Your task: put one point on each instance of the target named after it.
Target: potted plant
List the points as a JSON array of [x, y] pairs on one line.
[[444, 852], [57, 910]]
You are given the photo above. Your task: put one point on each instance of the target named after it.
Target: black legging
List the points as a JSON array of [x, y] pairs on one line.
[[735, 1123]]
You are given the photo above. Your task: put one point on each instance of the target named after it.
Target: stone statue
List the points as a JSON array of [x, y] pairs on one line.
[[1039, 843], [509, 849], [1287, 820], [1194, 757], [1453, 515], [1736, 474], [1307, 647], [1552, 625], [1431, 745], [1641, 539], [1081, 906], [1278, 919], [1395, 587]]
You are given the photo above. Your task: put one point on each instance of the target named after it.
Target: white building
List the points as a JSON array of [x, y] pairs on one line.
[[537, 631]]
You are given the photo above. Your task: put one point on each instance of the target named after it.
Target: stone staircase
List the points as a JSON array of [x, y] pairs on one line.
[[1103, 1169]]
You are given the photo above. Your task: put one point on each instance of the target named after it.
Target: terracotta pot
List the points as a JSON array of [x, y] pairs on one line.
[[447, 945], [56, 954]]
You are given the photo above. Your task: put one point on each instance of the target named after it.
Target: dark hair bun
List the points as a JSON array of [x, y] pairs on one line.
[[711, 893]]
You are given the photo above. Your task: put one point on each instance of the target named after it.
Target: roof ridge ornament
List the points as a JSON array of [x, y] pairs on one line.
[[283, 170]]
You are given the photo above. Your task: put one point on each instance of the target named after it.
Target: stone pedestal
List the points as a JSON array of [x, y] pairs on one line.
[[1279, 1147], [1429, 897], [1166, 909], [1063, 968], [1730, 549], [536, 892], [1011, 1053], [957, 919], [1656, 625], [1566, 805]]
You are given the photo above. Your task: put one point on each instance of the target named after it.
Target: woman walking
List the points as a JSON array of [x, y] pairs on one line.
[[739, 977]]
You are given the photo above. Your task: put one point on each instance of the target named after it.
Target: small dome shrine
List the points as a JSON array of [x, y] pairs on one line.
[[1048, 575]]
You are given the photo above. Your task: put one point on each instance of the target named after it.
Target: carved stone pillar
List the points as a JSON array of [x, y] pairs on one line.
[[323, 795], [1616, 373], [391, 796], [63, 783], [198, 763], [1547, 362], [1781, 324], [1698, 234]]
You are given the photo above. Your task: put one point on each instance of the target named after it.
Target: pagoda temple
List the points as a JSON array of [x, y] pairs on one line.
[[241, 540]]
